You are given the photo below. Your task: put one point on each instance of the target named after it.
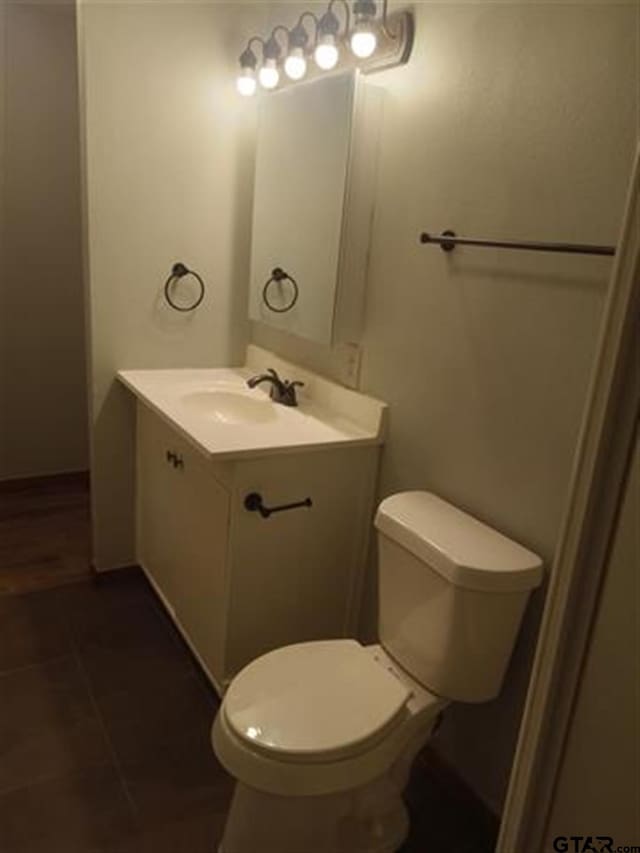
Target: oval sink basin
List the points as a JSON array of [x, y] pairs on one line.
[[230, 407]]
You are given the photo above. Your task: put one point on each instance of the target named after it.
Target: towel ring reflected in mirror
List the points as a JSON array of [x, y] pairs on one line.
[[278, 275]]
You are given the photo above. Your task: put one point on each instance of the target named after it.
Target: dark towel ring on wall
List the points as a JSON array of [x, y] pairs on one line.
[[178, 271], [277, 275]]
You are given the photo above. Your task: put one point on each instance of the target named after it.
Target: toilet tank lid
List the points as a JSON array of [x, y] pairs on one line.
[[462, 549]]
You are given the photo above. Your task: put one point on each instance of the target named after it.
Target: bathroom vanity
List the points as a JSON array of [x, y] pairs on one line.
[[211, 453], [237, 583]]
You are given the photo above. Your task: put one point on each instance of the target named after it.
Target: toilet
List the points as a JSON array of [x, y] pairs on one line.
[[320, 736]]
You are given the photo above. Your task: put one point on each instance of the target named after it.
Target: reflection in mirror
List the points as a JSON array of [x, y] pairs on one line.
[[313, 199]]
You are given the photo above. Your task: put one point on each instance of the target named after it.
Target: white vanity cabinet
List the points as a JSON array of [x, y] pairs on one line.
[[182, 531], [237, 584]]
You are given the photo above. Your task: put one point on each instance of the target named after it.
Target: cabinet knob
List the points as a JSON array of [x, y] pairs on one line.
[[176, 460]]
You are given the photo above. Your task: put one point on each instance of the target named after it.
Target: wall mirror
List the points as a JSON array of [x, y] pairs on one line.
[[316, 161]]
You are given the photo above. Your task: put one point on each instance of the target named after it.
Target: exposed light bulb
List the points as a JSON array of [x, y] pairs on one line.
[[269, 74], [326, 53], [363, 41], [295, 65], [246, 82]]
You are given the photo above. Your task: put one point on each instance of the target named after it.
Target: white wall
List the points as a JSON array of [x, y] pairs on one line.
[[603, 747], [510, 120], [166, 179], [43, 401]]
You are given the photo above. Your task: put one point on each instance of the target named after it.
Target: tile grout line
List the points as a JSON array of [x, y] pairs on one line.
[[42, 780], [114, 756], [17, 669]]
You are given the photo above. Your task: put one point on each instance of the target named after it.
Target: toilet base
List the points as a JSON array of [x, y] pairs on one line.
[[370, 819]]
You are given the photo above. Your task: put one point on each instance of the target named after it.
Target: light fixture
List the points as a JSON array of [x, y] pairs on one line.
[[246, 80], [376, 43], [326, 53], [295, 65], [269, 75], [364, 39]]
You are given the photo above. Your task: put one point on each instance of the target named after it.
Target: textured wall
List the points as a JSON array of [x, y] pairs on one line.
[[510, 120], [165, 180]]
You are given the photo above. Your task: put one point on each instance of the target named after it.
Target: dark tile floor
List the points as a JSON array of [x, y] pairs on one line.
[[104, 727], [446, 817], [104, 735], [104, 717]]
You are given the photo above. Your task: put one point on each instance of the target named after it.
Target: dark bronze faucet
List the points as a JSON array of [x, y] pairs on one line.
[[281, 391]]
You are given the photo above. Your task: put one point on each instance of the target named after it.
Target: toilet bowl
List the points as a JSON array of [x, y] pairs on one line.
[[320, 736], [324, 734]]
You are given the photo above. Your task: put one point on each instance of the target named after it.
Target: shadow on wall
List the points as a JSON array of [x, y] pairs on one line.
[[42, 335], [113, 498], [469, 727], [489, 730]]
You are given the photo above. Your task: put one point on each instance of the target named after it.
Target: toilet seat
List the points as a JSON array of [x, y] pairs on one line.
[[311, 774], [314, 702]]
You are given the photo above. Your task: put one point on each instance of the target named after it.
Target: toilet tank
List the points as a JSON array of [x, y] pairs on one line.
[[452, 592]]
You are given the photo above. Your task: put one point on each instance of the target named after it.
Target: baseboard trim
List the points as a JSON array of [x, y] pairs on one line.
[[68, 479], [115, 573]]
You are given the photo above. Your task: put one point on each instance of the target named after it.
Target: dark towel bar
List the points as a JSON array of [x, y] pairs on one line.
[[448, 240]]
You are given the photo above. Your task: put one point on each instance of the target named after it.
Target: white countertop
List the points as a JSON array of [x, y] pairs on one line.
[[215, 410]]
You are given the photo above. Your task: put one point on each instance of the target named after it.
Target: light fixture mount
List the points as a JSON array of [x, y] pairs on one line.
[[298, 36], [271, 49], [248, 59], [364, 8], [329, 24]]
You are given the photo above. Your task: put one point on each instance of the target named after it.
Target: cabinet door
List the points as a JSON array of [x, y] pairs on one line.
[[182, 532], [200, 519], [296, 575], [155, 535]]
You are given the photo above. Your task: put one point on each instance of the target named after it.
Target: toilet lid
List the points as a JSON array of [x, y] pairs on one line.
[[325, 698]]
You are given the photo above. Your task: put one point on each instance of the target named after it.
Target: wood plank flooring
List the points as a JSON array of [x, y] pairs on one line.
[[44, 532], [104, 726]]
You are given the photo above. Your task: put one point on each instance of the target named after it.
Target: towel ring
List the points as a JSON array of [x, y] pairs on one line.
[[178, 271], [277, 275]]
